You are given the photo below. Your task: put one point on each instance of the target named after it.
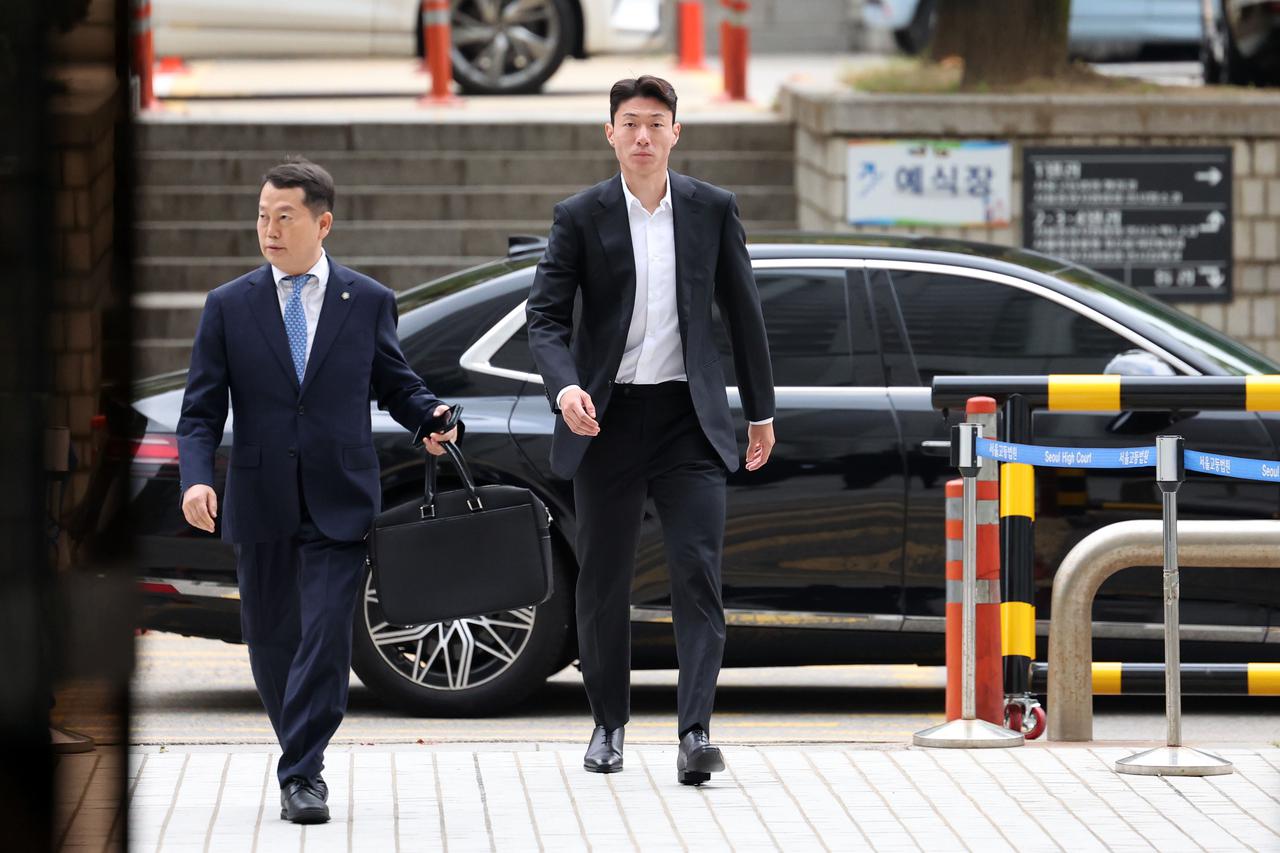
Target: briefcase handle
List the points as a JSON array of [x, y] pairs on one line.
[[429, 492]]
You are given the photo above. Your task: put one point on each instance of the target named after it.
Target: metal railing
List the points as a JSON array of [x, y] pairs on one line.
[[1202, 544]]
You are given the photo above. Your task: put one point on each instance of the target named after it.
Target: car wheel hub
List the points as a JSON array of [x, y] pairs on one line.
[[453, 655], [504, 43]]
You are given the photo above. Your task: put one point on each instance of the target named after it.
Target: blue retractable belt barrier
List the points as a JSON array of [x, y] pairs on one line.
[[1068, 457], [1233, 466], [1266, 470]]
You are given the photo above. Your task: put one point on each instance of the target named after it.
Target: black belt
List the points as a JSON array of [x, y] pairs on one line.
[[661, 389]]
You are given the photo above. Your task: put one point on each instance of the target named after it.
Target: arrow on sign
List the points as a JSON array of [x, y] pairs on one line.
[[1213, 276], [1211, 176], [1213, 223]]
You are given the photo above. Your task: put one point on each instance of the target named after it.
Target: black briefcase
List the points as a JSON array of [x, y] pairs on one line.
[[469, 552]]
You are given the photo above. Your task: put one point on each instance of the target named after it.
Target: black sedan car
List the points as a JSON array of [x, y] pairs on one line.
[[834, 551]]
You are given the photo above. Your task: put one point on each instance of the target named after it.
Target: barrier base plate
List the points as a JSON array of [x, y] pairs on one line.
[[1174, 761], [967, 734]]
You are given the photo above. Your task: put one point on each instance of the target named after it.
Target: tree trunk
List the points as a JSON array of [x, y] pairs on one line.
[[1003, 42]]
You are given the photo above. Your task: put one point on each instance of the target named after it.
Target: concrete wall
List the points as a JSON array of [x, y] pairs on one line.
[[1249, 123]]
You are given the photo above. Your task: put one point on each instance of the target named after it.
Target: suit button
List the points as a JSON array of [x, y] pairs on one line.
[[293, 451], [302, 410]]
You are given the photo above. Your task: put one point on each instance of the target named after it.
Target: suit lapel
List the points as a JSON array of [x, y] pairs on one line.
[[264, 306], [687, 216], [333, 313], [614, 228]]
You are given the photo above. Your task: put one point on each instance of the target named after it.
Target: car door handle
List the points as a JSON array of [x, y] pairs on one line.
[[936, 447]]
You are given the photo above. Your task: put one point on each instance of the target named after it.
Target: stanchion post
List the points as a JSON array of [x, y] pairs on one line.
[[734, 46], [1173, 759], [968, 731], [692, 44], [143, 53], [437, 46]]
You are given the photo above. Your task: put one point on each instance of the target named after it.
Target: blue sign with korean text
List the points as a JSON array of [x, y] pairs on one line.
[[954, 183]]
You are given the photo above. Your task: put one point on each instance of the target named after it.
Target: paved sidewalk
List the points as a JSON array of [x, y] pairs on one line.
[[517, 797]]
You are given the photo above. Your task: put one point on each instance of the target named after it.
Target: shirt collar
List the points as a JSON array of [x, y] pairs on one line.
[[320, 270], [632, 200]]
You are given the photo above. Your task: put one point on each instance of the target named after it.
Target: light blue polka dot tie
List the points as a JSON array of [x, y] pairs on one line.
[[295, 323]]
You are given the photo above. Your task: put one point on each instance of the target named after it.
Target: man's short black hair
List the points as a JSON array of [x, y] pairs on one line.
[[645, 86], [317, 184]]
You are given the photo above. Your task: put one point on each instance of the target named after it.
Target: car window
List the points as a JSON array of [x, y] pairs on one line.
[[957, 325], [457, 321], [806, 320], [515, 354]]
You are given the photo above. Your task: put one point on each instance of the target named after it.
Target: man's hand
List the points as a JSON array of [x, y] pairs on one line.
[[200, 506], [579, 412], [759, 445], [434, 443]]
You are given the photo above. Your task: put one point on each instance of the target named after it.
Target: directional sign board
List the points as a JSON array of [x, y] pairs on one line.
[[1158, 219]]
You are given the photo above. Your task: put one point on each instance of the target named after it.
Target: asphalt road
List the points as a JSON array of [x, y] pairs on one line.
[[194, 691]]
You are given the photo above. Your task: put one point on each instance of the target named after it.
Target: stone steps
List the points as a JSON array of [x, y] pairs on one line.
[[456, 168], [415, 201], [396, 202]]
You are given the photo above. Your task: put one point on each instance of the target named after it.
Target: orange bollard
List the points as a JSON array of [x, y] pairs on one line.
[[437, 41], [734, 39], [143, 53], [989, 668], [692, 42]]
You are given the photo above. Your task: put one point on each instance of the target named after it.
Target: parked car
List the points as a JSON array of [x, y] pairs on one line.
[[835, 550], [1098, 28], [1241, 43], [499, 46]]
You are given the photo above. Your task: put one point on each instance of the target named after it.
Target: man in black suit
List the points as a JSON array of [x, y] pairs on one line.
[[296, 346], [644, 413]]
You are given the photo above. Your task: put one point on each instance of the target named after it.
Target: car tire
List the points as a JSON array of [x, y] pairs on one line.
[[384, 656], [915, 36], [526, 53]]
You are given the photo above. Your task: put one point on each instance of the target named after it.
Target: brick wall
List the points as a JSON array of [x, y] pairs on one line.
[[1250, 124], [82, 172]]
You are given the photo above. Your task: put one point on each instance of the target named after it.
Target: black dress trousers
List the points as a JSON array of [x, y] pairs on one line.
[[297, 604], [650, 445]]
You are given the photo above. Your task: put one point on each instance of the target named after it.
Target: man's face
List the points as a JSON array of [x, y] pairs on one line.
[[289, 234], [642, 134]]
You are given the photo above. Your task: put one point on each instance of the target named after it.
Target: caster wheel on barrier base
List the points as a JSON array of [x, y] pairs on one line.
[[1037, 727], [1013, 716], [1027, 719]]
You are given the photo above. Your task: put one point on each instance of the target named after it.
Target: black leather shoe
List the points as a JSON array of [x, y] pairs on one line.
[[301, 803], [320, 787], [604, 753], [698, 759]]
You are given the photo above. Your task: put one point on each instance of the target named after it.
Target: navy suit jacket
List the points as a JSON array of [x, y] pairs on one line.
[[319, 429], [589, 262]]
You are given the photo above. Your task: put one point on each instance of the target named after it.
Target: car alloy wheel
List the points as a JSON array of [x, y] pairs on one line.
[[477, 666], [454, 655], [508, 46]]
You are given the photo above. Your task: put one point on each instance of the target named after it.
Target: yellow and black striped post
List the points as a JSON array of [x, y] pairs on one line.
[[1198, 679], [1017, 554]]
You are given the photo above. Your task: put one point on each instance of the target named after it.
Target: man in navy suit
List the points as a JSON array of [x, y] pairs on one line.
[[296, 345]]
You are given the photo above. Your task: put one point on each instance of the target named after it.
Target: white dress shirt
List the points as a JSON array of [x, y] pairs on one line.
[[654, 351], [312, 295]]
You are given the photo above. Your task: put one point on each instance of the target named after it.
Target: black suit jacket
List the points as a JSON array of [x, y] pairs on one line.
[[241, 356], [589, 259]]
